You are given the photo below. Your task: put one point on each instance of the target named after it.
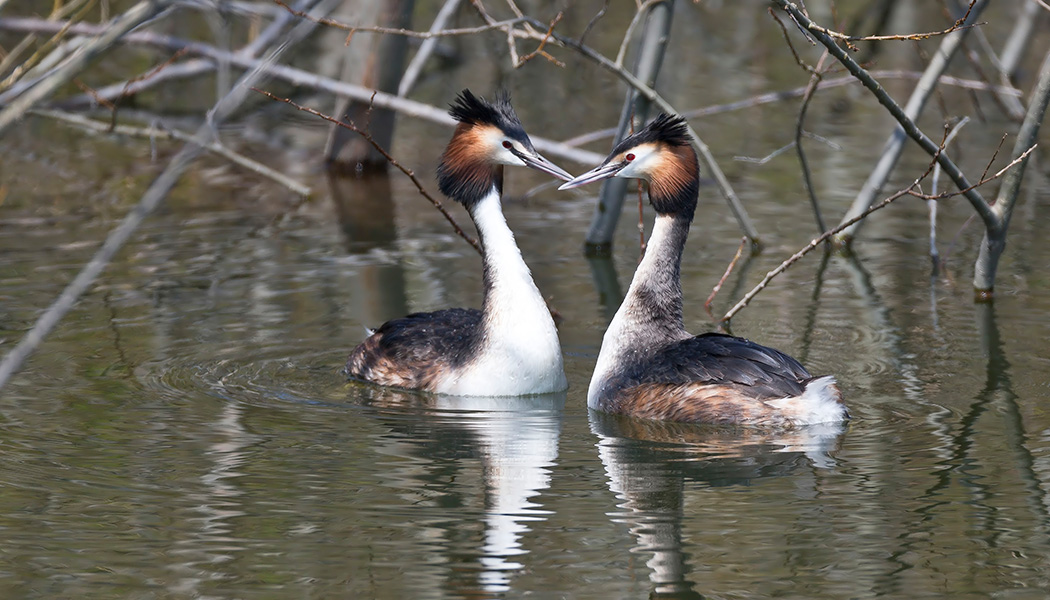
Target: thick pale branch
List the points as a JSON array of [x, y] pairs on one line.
[[133, 17], [310, 80], [174, 134], [994, 241]]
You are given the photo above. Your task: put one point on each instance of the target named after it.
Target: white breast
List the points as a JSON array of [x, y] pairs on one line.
[[521, 353]]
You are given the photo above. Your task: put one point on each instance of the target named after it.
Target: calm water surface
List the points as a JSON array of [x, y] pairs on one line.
[[186, 432]]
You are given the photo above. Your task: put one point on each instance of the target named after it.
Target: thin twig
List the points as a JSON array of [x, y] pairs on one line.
[[816, 73], [539, 50], [908, 191], [423, 35], [594, 19], [722, 280], [959, 24], [368, 137], [932, 204], [142, 77], [154, 133], [642, 11]]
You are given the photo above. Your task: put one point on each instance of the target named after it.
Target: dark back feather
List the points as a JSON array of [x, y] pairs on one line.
[[722, 359]]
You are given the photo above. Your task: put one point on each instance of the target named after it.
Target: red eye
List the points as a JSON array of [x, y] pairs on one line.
[[507, 144], [629, 157]]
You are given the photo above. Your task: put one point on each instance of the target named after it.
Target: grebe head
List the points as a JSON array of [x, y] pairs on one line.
[[660, 153], [489, 135]]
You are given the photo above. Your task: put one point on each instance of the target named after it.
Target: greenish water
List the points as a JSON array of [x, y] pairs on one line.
[[186, 431]]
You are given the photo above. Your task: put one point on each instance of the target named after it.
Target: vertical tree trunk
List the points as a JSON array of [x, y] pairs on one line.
[[381, 71], [995, 234], [650, 56]]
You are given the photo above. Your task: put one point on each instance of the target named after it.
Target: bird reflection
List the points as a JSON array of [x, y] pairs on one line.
[[648, 463], [515, 439]]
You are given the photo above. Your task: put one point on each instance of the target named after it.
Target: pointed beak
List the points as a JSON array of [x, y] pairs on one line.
[[533, 160], [596, 174]]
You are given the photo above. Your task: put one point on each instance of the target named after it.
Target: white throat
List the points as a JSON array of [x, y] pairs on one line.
[[521, 353]]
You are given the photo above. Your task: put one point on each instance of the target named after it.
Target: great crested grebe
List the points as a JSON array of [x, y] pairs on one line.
[[649, 366], [510, 347]]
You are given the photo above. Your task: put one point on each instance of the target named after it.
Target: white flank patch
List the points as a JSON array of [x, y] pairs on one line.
[[817, 404], [522, 354]]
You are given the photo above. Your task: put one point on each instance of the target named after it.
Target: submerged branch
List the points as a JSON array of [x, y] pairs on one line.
[[994, 241], [151, 199]]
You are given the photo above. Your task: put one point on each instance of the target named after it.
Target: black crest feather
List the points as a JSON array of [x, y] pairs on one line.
[[669, 129], [473, 110]]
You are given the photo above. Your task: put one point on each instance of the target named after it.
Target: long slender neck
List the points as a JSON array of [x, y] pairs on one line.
[[510, 293], [654, 300], [651, 314]]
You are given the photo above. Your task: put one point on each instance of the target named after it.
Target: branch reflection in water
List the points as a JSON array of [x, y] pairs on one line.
[[649, 462], [514, 440]]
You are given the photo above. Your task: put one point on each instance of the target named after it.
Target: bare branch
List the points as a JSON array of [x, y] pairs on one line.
[[367, 136], [423, 35], [154, 133], [959, 24], [722, 280], [906, 122], [908, 191], [302, 78]]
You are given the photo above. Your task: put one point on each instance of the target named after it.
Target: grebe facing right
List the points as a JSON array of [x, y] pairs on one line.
[[510, 347], [649, 366]]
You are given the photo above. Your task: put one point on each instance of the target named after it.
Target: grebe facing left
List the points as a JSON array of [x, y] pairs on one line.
[[648, 365], [510, 347]]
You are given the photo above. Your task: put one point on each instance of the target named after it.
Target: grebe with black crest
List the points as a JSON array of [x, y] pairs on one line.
[[510, 347], [648, 365]]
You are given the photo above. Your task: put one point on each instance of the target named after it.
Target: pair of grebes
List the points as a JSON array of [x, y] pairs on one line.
[[648, 366]]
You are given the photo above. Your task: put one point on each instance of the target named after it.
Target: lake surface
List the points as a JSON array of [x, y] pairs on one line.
[[186, 432]]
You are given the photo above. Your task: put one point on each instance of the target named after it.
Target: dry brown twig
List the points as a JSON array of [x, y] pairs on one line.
[[722, 280], [846, 39], [368, 137], [539, 51], [143, 77]]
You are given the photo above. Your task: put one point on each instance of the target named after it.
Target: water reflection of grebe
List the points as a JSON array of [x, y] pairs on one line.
[[649, 366], [648, 462], [510, 347], [516, 442]]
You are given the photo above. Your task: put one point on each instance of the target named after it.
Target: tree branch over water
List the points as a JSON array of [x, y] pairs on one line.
[[412, 176], [911, 190], [995, 217]]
